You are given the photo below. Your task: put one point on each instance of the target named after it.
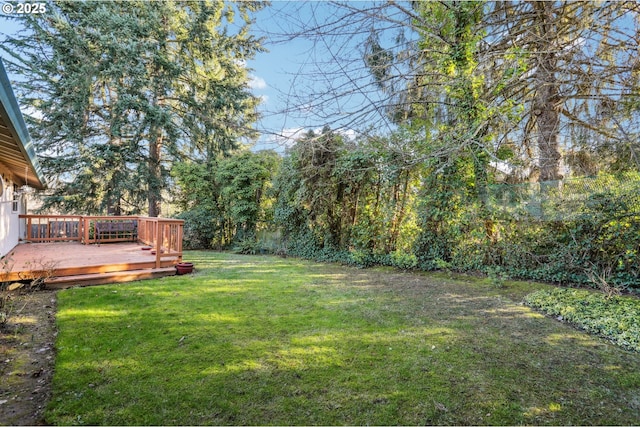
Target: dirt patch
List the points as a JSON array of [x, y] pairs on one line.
[[27, 355]]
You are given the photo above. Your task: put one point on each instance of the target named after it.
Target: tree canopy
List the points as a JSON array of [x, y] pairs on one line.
[[421, 111], [549, 88], [114, 108]]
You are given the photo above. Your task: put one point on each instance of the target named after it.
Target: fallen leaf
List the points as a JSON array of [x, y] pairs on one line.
[[14, 286], [441, 407]]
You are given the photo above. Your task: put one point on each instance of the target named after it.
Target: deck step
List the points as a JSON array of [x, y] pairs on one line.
[[87, 269], [64, 282]]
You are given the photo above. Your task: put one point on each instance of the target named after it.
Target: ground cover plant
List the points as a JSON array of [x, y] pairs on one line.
[[267, 340], [612, 317]]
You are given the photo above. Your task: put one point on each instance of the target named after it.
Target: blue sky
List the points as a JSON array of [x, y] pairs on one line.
[[289, 72], [276, 73]]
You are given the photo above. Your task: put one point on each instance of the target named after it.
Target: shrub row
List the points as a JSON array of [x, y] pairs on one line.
[[590, 252]]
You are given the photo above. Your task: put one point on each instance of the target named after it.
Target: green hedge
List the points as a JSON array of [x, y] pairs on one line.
[[591, 239]]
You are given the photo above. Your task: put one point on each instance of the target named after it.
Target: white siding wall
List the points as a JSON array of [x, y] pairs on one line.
[[9, 221]]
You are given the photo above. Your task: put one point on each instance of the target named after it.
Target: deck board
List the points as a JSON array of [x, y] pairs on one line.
[[72, 258]]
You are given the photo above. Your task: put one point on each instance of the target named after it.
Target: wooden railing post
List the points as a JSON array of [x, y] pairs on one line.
[[180, 235], [158, 243]]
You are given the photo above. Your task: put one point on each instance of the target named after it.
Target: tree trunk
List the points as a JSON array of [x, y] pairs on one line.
[[547, 99], [154, 196], [114, 208], [399, 213], [547, 119]]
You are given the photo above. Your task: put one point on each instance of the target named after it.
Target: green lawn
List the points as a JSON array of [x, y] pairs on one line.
[[265, 340]]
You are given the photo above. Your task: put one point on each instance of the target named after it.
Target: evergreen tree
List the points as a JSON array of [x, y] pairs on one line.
[[126, 88]]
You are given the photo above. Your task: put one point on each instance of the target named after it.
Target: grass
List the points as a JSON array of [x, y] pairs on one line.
[[257, 340]]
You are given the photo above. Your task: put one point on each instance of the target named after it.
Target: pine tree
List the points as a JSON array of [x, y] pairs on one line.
[[126, 88]]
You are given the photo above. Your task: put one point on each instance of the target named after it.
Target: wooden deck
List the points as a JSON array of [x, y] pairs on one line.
[[67, 264]]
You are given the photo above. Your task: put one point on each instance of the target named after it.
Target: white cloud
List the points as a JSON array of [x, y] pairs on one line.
[[32, 112], [257, 82], [293, 133], [350, 134], [288, 136]]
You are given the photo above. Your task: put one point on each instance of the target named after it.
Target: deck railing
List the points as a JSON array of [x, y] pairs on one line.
[[93, 234], [53, 228], [164, 235]]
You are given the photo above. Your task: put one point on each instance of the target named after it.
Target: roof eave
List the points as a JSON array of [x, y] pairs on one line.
[[10, 111]]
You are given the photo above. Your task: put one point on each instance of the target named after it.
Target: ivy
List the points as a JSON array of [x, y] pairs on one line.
[[617, 319]]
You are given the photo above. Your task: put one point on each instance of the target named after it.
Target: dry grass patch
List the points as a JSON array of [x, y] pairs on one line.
[[26, 358]]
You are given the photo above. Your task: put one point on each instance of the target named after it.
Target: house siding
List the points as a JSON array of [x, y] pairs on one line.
[[18, 166], [9, 219]]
